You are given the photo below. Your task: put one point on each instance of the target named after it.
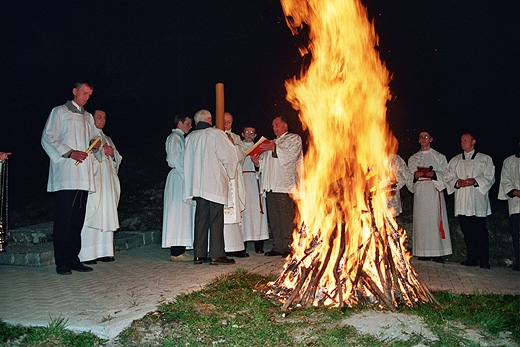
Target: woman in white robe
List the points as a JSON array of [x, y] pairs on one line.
[[177, 230]]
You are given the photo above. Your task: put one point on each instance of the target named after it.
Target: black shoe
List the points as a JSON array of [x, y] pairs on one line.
[[81, 268], [438, 260], [239, 254], [106, 259], [200, 260], [90, 262], [468, 263], [424, 258], [272, 254], [222, 261], [63, 270], [485, 266], [286, 254]]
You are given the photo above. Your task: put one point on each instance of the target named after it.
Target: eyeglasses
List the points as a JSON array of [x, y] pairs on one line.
[[424, 137], [249, 132]]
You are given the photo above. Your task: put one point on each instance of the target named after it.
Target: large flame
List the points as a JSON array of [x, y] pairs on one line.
[[349, 246]]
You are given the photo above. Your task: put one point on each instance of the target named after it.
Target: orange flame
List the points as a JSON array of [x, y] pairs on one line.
[[341, 99]]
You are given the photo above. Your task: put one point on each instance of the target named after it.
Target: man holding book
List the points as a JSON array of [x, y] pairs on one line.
[[281, 167], [431, 232]]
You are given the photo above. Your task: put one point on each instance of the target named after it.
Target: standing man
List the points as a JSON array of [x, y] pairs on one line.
[[510, 190], [210, 161], [431, 231], [101, 218], [470, 175], [254, 217], [177, 230], [281, 166], [233, 239], [66, 136]]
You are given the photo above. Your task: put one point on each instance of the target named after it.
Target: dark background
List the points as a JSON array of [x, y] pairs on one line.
[[454, 65]]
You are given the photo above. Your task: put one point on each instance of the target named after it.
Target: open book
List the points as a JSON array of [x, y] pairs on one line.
[[255, 149]]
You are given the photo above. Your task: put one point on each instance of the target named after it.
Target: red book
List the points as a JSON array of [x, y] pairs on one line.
[[423, 169], [255, 149]]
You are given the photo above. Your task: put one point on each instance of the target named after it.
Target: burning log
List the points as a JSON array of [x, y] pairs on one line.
[[394, 282]]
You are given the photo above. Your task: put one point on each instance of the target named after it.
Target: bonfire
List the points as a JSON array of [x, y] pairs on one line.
[[349, 249]]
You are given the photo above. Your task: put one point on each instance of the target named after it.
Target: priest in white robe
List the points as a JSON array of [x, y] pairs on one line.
[[400, 171], [177, 230], [101, 217], [509, 190], [210, 161], [470, 175], [254, 218], [233, 239], [431, 231], [281, 167]]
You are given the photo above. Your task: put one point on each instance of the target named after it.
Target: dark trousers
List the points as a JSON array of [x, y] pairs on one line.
[[281, 211], [209, 216], [515, 233], [69, 215], [476, 238]]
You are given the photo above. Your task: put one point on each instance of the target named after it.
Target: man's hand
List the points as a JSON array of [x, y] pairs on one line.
[[78, 156], [109, 151], [256, 159]]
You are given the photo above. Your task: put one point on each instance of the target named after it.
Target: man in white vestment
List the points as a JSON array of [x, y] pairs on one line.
[[470, 175], [400, 171], [254, 218], [510, 190], [233, 239], [177, 230], [281, 167], [210, 161], [67, 135], [101, 218], [431, 231]]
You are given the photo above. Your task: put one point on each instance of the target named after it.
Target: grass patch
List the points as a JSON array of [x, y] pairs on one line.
[[233, 311]]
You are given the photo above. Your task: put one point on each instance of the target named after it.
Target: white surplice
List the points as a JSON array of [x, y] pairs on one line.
[[471, 201], [178, 216], [429, 206], [254, 217], [233, 239], [101, 218], [509, 180]]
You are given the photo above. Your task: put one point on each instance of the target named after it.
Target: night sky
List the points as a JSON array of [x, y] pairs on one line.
[[454, 65]]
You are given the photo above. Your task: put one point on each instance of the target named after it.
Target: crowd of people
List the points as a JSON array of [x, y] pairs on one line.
[[469, 176], [224, 190]]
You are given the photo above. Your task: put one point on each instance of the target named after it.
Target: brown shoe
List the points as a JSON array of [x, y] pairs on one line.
[[222, 261], [198, 261]]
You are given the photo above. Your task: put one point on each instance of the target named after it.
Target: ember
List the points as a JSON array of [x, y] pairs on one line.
[[349, 249]]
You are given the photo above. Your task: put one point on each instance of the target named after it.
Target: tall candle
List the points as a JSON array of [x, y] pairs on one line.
[[219, 109]]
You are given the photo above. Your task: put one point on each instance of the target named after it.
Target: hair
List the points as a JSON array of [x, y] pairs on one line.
[[180, 118], [202, 116], [78, 85], [283, 119], [247, 126], [426, 131], [471, 134]]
